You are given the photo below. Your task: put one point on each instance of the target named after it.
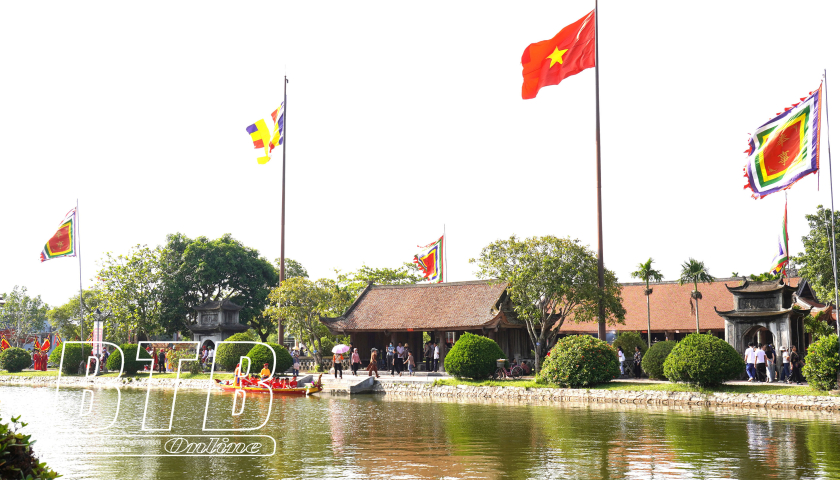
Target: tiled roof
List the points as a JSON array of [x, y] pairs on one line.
[[670, 307], [456, 306]]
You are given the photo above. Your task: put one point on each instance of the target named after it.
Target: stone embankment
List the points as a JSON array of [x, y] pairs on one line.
[[107, 382], [623, 397]]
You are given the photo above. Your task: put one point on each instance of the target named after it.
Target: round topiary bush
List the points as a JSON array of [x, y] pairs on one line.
[[821, 363], [473, 356], [15, 359], [228, 354], [704, 360], [132, 365], [260, 355], [580, 361], [74, 354], [653, 363]]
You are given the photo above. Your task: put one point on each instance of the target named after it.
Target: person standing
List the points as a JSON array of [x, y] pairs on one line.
[[389, 357], [161, 361], [337, 367], [796, 366], [296, 364], [355, 361], [427, 355], [409, 362], [761, 364], [211, 356], [621, 360], [399, 359], [637, 363], [105, 356], [785, 377], [373, 366], [749, 359], [771, 363], [435, 357]]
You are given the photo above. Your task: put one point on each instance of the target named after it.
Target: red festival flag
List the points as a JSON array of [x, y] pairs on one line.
[[57, 339], [63, 243], [568, 53], [4, 344], [46, 345], [37, 344]]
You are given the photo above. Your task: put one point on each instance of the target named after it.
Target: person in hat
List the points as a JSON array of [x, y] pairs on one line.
[[265, 372], [785, 365]]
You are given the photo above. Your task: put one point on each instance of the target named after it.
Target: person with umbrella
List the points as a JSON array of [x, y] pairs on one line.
[[338, 358]]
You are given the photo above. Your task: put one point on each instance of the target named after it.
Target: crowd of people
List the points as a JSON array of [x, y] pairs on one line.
[[761, 364]]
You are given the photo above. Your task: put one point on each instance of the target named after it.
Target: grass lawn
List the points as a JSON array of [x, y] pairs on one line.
[[637, 387]]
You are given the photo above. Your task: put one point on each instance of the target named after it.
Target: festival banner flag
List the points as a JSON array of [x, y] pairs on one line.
[[786, 148], [45, 347], [4, 344], [261, 138], [278, 116], [430, 261], [37, 344], [57, 339], [781, 259], [63, 243], [570, 52]]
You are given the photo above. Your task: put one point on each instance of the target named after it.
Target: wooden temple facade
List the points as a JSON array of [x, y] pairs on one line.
[[391, 314]]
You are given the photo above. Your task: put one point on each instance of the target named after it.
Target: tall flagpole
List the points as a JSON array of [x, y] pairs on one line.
[[602, 326], [79, 256], [833, 237], [280, 331], [445, 263]]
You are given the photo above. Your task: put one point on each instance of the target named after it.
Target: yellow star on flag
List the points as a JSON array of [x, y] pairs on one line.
[[556, 56]]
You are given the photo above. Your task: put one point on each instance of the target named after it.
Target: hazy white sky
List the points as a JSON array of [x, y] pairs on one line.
[[402, 117]]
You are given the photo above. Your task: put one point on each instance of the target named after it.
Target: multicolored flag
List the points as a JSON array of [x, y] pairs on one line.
[[430, 261], [782, 259], [786, 148], [277, 138], [63, 243], [57, 339], [570, 52], [4, 344], [37, 344], [261, 138], [46, 345]]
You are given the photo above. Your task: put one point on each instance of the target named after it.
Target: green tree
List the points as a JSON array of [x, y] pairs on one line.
[[647, 273], [130, 289], [293, 268], [551, 280], [695, 271], [22, 315], [817, 326], [301, 302], [815, 262], [65, 318], [765, 277], [355, 282], [202, 270]]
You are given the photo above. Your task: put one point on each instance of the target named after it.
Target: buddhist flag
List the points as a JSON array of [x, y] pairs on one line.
[[4, 344], [430, 261], [781, 258], [786, 148], [63, 243], [568, 53], [278, 116], [261, 138], [46, 345]]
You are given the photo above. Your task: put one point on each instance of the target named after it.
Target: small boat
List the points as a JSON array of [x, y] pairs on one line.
[[250, 385]]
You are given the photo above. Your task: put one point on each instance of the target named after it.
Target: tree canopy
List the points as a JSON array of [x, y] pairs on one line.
[[551, 280], [23, 315], [815, 263]]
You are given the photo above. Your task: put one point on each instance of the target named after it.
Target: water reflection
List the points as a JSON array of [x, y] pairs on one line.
[[392, 437]]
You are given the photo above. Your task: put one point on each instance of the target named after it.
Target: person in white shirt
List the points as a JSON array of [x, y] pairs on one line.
[[621, 360], [785, 365], [436, 358], [761, 363], [749, 359], [211, 354]]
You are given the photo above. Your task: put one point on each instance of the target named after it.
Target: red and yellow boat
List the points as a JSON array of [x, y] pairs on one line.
[[252, 385]]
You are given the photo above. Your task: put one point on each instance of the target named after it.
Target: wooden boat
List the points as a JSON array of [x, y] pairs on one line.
[[254, 387]]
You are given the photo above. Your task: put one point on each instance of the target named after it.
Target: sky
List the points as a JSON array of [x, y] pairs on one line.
[[402, 117]]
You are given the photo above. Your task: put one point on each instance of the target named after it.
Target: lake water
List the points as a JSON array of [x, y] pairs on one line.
[[383, 437]]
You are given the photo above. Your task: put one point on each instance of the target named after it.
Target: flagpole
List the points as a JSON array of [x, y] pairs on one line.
[[833, 237], [79, 256], [602, 326], [280, 331], [445, 262]]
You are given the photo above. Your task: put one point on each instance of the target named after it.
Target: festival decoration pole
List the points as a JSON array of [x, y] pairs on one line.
[[602, 326], [831, 188], [79, 256], [280, 331]]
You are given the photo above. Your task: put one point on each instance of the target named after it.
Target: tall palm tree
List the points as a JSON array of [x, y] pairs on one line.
[[695, 271], [647, 273]]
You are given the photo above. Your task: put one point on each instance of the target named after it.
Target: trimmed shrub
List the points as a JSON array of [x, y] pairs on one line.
[[260, 355], [580, 361], [653, 363], [227, 355], [19, 460], [74, 354], [473, 356], [132, 365], [628, 341], [703, 360], [15, 359], [821, 363]]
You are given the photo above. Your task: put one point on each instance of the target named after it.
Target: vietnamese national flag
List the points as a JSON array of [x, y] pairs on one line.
[[568, 53]]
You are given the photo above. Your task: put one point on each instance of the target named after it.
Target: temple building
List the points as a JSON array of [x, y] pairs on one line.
[[216, 321], [385, 314]]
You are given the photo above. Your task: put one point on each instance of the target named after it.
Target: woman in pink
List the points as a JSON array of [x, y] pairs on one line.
[[355, 361]]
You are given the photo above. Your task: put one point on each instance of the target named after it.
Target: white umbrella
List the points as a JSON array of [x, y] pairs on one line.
[[340, 348]]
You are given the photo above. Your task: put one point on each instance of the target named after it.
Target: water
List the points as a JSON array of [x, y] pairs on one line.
[[396, 438]]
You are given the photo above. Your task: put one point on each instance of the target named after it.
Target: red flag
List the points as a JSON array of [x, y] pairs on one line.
[[37, 344], [57, 340], [4, 344], [46, 345], [568, 53]]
